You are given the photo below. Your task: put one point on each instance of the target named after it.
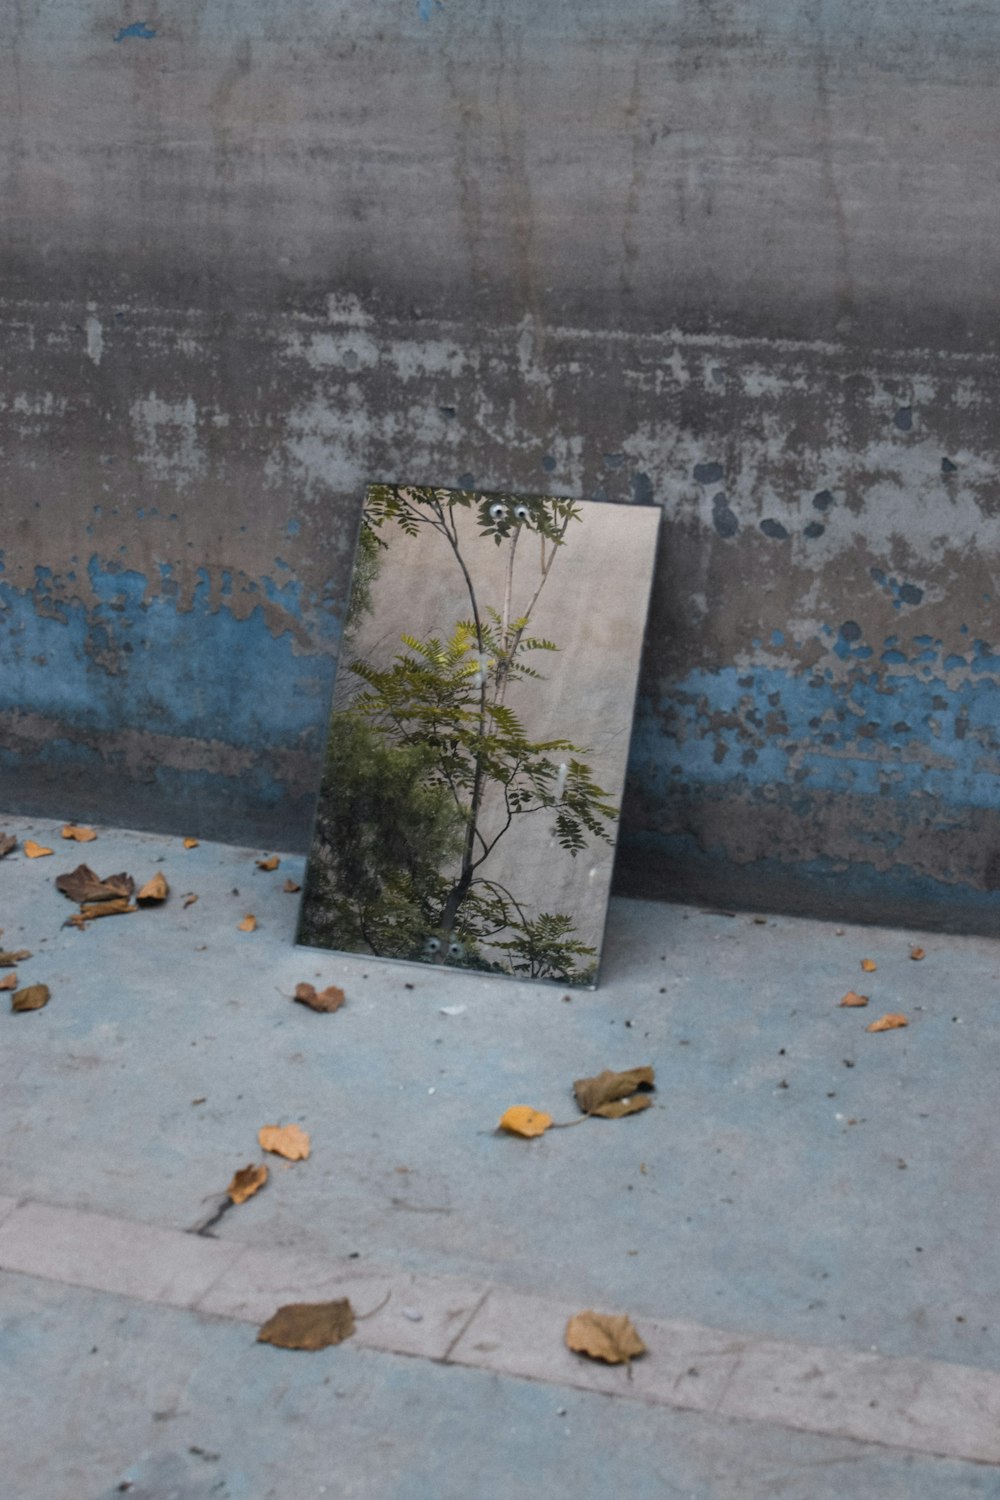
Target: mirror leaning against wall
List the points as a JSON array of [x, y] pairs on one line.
[[479, 732]]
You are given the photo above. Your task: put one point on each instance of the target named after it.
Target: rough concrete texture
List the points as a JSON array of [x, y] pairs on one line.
[[730, 259], [773, 1194]]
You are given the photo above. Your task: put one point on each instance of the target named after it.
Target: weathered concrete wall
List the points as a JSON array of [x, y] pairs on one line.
[[741, 259]]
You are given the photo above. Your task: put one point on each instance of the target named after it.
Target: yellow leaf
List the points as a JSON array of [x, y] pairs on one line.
[[888, 1023], [8, 982], [854, 999], [290, 887], [612, 1095], [269, 864], [249, 924], [247, 1181], [917, 954], [33, 998], [869, 965], [33, 850], [330, 999], [190, 843], [81, 835], [284, 1140], [154, 890], [612, 1338], [309, 1325], [521, 1119]]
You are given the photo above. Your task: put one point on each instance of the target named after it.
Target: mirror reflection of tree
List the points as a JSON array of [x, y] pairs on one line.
[[430, 770]]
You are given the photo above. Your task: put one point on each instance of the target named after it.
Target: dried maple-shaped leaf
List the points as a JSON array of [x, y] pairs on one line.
[[8, 982], [608, 1336], [81, 835], [521, 1119], [154, 891], [249, 924], [290, 887], [247, 1181], [329, 999], [35, 851], [851, 998], [83, 885], [7, 843], [32, 998], [284, 1140], [271, 863], [888, 1023], [309, 1325], [612, 1095], [869, 965], [917, 954], [11, 960], [190, 843]]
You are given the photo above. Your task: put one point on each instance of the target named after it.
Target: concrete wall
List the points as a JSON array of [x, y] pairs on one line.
[[741, 259]]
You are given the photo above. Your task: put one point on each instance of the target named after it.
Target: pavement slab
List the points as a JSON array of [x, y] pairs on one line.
[[799, 1184]]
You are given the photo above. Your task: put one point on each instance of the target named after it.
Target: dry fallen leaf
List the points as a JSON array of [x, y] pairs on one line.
[[888, 1023], [284, 1140], [154, 891], [521, 1119], [81, 835], [290, 887], [189, 899], [271, 863], [90, 911], [917, 954], [869, 965], [190, 843], [612, 1095], [83, 885], [309, 1325], [33, 850], [249, 924], [33, 998], [7, 843], [605, 1336], [330, 999], [11, 960], [851, 998], [247, 1181], [8, 982]]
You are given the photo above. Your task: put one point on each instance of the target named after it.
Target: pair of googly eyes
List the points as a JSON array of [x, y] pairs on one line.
[[434, 945], [498, 511]]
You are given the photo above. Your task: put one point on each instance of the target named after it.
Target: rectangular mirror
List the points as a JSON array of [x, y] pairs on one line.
[[480, 732]]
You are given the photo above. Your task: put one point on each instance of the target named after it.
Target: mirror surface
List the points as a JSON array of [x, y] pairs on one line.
[[480, 732]]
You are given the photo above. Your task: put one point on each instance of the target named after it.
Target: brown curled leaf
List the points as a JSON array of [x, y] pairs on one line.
[[81, 835], [271, 863], [330, 999], [82, 884], [888, 1023], [309, 1325], [249, 924], [247, 1181], [852, 998], [284, 1140], [869, 965], [606, 1336], [611, 1095], [35, 851], [32, 998], [154, 891], [8, 843], [290, 887], [917, 954], [11, 960]]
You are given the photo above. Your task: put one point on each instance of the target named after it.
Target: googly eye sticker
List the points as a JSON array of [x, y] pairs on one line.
[[498, 510], [522, 513]]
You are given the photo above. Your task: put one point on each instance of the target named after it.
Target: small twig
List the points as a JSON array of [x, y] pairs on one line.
[[360, 1317]]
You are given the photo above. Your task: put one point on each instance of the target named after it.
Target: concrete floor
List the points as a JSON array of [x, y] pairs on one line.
[[797, 1179]]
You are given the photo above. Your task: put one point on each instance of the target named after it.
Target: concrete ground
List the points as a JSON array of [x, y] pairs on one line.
[[803, 1226]]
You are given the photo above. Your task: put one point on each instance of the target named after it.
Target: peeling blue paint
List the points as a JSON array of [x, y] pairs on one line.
[[139, 29], [132, 661]]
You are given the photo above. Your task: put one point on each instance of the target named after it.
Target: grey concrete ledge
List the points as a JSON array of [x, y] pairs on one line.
[[923, 1406]]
